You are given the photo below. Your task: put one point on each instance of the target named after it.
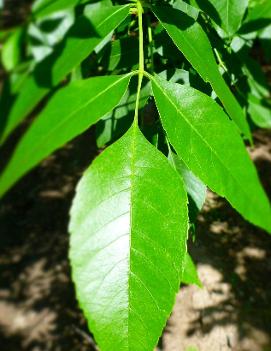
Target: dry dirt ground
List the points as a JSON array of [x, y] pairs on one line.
[[38, 310]]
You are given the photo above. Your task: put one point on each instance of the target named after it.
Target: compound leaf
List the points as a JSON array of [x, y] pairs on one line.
[[208, 143], [70, 112], [192, 41], [128, 243], [259, 112]]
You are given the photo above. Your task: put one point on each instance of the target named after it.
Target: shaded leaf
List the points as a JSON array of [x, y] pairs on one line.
[[194, 187], [259, 111], [190, 274]]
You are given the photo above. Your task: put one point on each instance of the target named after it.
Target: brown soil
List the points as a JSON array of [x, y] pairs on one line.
[[38, 310]]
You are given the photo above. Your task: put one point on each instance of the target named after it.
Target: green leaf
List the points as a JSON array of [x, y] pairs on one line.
[[70, 112], [227, 14], [188, 9], [190, 274], [11, 50], [192, 41], [261, 9], [194, 187], [87, 32], [128, 243], [44, 8], [259, 16], [260, 112], [208, 143]]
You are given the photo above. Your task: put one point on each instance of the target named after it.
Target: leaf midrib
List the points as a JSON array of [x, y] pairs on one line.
[[132, 176]]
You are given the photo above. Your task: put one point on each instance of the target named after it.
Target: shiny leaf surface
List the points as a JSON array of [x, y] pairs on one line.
[[208, 143], [193, 42], [128, 243], [71, 111]]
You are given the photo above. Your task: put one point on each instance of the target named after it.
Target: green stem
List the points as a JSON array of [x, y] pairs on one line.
[[150, 37], [141, 71]]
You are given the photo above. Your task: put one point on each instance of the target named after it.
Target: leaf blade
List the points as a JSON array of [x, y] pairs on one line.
[[55, 67], [48, 132], [227, 14], [211, 148], [192, 41], [131, 232]]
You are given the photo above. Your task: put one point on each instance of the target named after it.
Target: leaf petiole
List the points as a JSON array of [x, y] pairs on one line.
[[141, 71]]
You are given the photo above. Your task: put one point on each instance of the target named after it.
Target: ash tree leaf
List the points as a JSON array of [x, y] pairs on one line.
[[228, 14], [260, 111], [87, 32], [194, 187], [128, 243], [190, 274], [193, 42], [208, 143], [70, 112]]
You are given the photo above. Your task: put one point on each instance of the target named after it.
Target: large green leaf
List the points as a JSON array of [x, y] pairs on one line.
[[71, 111], [128, 243], [191, 39], [87, 32], [228, 14], [208, 143]]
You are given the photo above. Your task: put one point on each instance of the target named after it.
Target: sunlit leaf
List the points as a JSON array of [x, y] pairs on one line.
[[128, 243], [208, 143], [71, 111]]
